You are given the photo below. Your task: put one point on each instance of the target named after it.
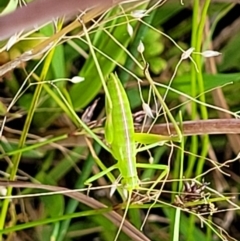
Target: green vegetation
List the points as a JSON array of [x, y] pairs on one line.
[[178, 63]]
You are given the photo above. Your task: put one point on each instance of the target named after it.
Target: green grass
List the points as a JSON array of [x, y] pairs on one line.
[[44, 141]]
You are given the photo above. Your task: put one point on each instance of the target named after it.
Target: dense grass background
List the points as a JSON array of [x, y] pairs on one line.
[[43, 142]]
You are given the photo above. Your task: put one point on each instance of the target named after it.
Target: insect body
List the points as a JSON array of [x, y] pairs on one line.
[[121, 138], [120, 135]]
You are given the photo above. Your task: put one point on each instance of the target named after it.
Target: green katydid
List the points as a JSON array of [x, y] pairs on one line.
[[120, 135]]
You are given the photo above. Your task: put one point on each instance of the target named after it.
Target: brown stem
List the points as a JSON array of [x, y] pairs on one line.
[[199, 127], [189, 128], [114, 217], [42, 11]]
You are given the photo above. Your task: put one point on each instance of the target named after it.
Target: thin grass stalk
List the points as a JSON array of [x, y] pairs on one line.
[[204, 112], [194, 139], [180, 160]]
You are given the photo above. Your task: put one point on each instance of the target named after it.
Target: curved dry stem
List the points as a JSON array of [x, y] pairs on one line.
[[39, 12], [114, 217]]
